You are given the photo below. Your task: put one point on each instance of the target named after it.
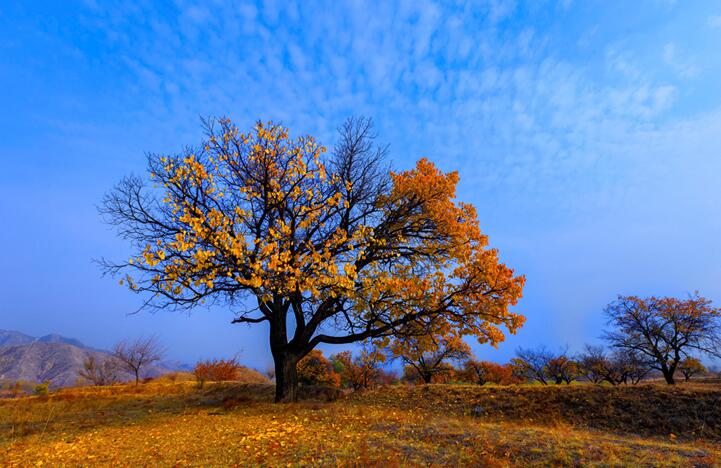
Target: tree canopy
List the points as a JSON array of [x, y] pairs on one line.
[[333, 247]]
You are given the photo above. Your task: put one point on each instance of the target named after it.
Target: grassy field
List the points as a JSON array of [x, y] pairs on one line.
[[166, 424]]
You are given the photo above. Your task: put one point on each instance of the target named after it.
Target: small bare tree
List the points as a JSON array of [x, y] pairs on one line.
[[138, 354], [532, 364], [593, 363], [100, 371]]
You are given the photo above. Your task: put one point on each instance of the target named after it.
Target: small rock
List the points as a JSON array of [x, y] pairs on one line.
[[477, 411]]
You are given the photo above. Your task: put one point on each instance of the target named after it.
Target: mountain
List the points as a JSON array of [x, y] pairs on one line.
[[39, 361], [54, 358], [55, 338], [10, 338]]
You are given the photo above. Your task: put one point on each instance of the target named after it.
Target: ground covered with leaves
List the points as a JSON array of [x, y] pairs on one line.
[[167, 424]]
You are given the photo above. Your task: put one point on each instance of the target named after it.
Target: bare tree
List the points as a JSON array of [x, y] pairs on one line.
[[138, 354], [629, 366], [100, 371], [593, 363], [622, 367], [664, 330], [532, 364]]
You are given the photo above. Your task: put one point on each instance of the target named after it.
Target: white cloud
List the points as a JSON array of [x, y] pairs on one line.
[[714, 21], [502, 105]]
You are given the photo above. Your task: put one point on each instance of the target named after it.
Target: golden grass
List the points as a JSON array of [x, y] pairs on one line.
[[169, 424]]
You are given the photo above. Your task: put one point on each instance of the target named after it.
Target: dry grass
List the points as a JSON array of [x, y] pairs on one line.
[[170, 423], [685, 411]]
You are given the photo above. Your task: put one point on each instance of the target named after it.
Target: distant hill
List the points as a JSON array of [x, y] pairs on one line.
[[55, 338], [10, 338], [53, 358]]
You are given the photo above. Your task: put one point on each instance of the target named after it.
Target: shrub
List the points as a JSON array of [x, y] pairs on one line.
[[315, 369], [42, 389], [482, 372], [216, 370], [359, 372], [100, 370]]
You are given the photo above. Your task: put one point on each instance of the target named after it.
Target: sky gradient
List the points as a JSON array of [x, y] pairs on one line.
[[586, 133]]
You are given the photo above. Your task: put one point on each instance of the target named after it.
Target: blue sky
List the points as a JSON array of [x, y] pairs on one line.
[[587, 134]]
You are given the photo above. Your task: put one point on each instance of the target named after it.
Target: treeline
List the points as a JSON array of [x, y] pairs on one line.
[[538, 365], [646, 337]]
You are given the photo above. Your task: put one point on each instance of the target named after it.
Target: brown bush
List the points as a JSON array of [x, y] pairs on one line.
[[224, 370], [216, 370]]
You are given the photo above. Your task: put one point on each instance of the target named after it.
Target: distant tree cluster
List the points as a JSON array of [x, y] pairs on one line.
[[647, 335], [316, 369], [593, 364]]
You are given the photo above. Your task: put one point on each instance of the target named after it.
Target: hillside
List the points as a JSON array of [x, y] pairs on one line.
[[11, 338], [52, 358], [39, 361], [168, 424]]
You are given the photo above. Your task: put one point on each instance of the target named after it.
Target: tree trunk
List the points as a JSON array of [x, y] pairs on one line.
[[426, 376], [286, 377], [668, 375]]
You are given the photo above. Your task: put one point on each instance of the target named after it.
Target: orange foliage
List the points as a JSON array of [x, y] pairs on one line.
[[315, 369], [690, 367], [216, 370], [428, 356], [482, 372], [267, 215], [362, 371]]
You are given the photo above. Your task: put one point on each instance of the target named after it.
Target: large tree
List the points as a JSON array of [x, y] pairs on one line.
[[333, 248], [664, 330]]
